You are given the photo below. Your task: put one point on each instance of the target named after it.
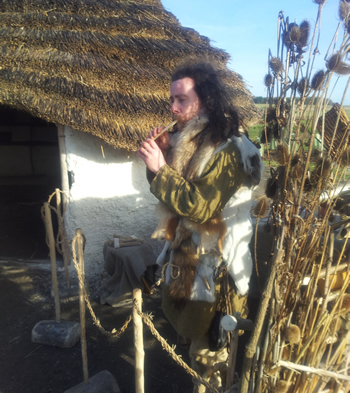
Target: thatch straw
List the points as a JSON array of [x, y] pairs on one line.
[[100, 66]]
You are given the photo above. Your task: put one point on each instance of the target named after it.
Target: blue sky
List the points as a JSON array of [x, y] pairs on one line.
[[247, 29]]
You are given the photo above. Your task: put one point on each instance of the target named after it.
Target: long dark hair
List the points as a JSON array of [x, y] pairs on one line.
[[224, 120]]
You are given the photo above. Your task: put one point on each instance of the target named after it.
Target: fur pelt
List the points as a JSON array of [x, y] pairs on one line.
[[190, 152]]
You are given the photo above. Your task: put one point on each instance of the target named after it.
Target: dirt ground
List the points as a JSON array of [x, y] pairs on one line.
[[26, 367]]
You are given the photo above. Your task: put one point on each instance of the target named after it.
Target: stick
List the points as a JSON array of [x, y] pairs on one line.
[[313, 370], [138, 341], [61, 233], [251, 347], [49, 232], [82, 306], [165, 129]]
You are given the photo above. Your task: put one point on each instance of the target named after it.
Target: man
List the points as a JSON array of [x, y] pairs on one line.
[[202, 174]]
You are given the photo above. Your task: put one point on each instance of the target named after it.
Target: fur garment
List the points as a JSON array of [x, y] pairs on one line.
[[196, 249], [190, 151]]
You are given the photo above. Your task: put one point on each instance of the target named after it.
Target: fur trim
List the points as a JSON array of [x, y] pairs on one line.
[[251, 159]]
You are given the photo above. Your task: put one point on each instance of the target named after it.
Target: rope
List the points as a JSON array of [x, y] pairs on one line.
[[147, 318], [114, 332]]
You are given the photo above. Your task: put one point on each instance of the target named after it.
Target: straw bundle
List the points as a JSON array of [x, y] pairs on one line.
[[99, 66]]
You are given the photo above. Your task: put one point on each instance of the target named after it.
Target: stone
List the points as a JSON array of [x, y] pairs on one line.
[[62, 334], [103, 382]]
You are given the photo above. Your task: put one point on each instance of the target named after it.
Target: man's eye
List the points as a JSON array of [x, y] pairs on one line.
[[181, 100]]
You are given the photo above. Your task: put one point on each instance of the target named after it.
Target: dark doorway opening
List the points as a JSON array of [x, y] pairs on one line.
[[29, 173]]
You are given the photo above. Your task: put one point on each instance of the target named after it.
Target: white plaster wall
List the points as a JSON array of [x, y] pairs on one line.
[[109, 195]]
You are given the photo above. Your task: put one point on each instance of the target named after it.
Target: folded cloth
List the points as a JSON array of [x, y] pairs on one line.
[[126, 266]]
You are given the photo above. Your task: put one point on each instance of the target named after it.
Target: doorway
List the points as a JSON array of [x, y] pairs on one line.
[[29, 173]]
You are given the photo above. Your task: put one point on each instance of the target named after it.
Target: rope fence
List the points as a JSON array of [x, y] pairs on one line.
[[147, 319]]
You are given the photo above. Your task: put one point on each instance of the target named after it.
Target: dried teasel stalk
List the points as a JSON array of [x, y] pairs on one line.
[[276, 65], [282, 154], [336, 64], [317, 80], [261, 207]]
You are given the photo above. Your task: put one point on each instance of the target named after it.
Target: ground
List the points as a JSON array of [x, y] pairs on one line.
[[28, 367]]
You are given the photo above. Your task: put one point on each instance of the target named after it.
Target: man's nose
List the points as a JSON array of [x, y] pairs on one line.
[[174, 108]]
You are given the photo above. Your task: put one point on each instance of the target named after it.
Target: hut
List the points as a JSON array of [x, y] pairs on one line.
[[81, 84]]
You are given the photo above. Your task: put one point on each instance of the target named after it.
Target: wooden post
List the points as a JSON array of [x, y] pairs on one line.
[[63, 161], [49, 232], [82, 305], [64, 178], [138, 342], [61, 233]]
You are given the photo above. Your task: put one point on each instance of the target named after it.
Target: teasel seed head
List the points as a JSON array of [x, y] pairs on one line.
[[304, 33], [276, 65], [346, 302], [268, 80], [292, 334], [281, 386], [337, 65], [295, 160], [317, 80], [261, 207], [296, 171], [345, 157], [294, 33], [344, 11], [282, 154], [323, 166], [303, 86]]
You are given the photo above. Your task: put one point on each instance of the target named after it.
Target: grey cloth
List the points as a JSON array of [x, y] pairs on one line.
[[126, 266]]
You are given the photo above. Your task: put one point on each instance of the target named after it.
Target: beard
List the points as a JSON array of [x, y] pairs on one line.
[[181, 122]]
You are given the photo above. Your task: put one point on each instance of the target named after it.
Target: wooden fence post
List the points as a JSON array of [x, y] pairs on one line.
[[49, 232], [138, 341]]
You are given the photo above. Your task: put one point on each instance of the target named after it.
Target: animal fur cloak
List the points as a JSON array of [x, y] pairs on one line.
[[218, 225]]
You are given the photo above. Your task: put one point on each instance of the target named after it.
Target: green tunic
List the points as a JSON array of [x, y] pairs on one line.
[[202, 199], [199, 200]]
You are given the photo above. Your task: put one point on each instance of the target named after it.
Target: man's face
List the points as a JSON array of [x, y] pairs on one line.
[[184, 100]]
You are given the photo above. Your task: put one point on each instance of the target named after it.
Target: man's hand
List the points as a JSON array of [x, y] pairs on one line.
[[152, 155], [163, 141]]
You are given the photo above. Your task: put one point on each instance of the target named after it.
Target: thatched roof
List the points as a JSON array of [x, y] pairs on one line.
[[330, 128], [100, 66]]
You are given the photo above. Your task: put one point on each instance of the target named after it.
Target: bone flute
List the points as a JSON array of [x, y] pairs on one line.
[[165, 129]]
